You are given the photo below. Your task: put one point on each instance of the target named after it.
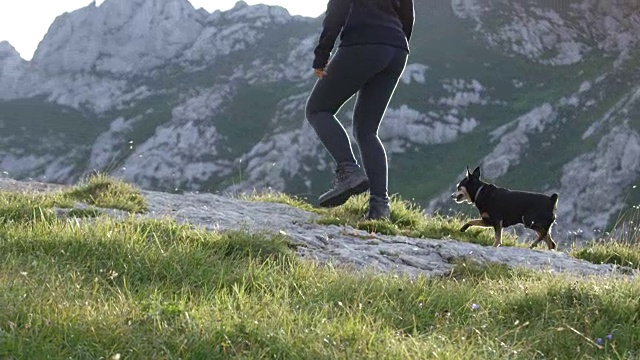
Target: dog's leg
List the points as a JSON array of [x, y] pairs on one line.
[[550, 243], [537, 241], [498, 229], [543, 234], [476, 222]]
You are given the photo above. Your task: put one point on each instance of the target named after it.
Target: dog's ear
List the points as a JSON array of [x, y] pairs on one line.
[[468, 172], [476, 172]]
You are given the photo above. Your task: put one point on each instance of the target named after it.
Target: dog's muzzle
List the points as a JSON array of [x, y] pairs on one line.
[[458, 196]]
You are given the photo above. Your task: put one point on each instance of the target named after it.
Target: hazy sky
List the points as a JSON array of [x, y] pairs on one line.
[[25, 22]]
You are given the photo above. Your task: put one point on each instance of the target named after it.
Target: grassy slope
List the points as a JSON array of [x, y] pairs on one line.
[[149, 289]]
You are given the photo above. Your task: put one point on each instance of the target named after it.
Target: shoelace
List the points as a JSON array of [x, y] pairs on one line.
[[341, 175]]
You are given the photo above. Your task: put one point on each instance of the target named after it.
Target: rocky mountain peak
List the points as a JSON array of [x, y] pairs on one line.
[[11, 69], [119, 36], [242, 10], [240, 5], [555, 34], [169, 9], [7, 51], [133, 36]]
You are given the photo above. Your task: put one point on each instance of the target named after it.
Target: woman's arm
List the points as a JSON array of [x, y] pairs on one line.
[[407, 17], [335, 17]]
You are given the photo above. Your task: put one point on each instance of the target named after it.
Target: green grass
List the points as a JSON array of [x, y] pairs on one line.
[[610, 252], [106, 192], [278, 198], [620, 247], [84, 213], [97, 190], [143, 289]]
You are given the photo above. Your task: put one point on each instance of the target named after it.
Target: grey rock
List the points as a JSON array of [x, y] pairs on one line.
[[346, 246]]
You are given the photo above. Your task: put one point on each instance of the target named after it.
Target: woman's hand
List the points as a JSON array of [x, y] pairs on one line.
[[320, 73]]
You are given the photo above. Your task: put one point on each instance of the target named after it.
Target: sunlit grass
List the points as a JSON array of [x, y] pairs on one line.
[[99, 191], [279, 198]]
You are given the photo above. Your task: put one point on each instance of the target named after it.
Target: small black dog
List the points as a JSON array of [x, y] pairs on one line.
[[500, 208]]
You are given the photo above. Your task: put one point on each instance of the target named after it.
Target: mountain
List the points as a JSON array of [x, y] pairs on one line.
[[544, 95]]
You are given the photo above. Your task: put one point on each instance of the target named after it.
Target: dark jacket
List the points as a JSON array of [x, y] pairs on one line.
[[357, 22]]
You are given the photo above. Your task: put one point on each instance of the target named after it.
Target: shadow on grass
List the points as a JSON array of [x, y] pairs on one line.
[[95, 339], [149, 253], [569, 317]]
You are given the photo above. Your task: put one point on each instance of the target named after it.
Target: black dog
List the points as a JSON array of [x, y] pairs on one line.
[[500, 208]]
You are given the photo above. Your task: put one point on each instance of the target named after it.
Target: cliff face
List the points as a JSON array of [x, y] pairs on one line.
[[543, 96]]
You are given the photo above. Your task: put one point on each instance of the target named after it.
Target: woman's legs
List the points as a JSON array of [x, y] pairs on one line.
[[350, 69], [373, 71], [348, 72], [370, 107]]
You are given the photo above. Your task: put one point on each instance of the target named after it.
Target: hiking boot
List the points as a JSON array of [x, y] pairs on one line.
[[378, 208], [349, 181]]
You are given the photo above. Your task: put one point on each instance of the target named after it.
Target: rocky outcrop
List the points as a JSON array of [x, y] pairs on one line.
[[343, 245], [12, 71], [184, 150], [557, 35], [279, 158], [593, 183]]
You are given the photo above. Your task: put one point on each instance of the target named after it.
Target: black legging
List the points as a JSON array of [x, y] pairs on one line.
[[372, 71]]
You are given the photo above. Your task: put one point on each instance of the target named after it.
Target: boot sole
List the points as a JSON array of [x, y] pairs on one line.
[[384, 217], [343, 197]]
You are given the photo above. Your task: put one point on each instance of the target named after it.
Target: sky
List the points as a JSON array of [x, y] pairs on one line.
[[25, 22]]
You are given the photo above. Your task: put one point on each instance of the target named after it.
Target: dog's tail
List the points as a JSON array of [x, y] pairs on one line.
[[554, 201]]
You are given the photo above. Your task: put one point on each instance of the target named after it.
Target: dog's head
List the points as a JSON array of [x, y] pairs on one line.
[[470, 184]]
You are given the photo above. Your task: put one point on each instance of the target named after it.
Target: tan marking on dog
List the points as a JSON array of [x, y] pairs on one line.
[[498, 229], [475, 222], [478, 222], [550, 243], [535, 243], [485, 215], [465, 196]]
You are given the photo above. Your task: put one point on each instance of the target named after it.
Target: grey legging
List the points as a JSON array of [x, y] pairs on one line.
[[373, 72]]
